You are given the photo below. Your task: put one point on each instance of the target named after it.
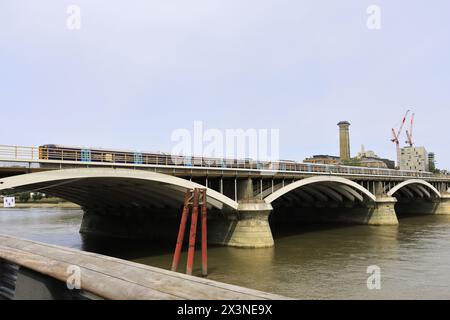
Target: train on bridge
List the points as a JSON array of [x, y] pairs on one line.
[[89, 155]]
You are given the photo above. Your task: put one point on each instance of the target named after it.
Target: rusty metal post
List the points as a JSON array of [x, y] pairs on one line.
[[193, 231], [204, 236], [179, 245]]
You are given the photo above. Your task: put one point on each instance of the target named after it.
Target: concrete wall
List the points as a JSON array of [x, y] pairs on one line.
[[31, 285]]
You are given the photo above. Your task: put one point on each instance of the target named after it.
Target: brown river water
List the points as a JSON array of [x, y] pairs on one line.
[[307, 262]]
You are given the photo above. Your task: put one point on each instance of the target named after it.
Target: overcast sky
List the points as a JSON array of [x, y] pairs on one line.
[[138, 70]]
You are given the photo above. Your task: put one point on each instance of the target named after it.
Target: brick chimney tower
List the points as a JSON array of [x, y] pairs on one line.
[[344, 140]]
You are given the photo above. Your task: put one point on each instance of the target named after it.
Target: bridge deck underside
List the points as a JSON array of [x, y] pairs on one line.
[[123, 207], [323, 202], [107, 193], [323, 193]]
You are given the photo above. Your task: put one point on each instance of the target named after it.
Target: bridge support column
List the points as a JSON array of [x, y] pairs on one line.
[[443, 205], [247, 228], [245, 189], [382, 212]]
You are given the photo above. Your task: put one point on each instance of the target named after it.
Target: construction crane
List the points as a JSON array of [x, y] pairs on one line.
[[409, 132], [396, 137]]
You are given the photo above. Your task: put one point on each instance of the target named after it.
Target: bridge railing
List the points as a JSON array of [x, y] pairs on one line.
[[18, 153], [74, 154]]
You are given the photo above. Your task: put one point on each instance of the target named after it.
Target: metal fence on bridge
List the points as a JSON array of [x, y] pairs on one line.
[[63, 154]]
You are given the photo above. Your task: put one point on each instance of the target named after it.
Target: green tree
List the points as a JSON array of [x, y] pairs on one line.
[[24, 196], [354, 162], [433, 167], [37, 196]]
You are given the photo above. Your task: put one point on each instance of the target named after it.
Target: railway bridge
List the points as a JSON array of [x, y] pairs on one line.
[[143, 198]]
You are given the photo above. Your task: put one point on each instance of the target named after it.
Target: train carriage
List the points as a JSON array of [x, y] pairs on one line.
[[81, 154]]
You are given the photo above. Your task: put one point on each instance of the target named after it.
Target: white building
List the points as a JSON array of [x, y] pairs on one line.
[[414, 158], [366, 153]]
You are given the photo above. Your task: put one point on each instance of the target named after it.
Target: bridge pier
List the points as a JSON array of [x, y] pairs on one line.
[[382, 212], [248, 227], [443, 205]]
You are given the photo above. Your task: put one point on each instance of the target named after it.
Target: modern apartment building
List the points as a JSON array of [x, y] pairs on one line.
[[414, 158]]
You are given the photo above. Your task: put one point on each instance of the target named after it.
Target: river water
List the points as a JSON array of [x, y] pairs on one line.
[[308, 262]]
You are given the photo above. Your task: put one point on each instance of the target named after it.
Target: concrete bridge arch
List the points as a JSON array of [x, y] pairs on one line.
[[330, 199], [121, 203], [417, 196], [415, 188], [107, 186], [323, 188]]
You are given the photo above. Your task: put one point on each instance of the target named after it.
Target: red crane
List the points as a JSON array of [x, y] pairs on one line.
[[396, 137], [409, 132]]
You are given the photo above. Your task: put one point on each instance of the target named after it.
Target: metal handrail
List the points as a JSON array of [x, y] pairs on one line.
[[19, 152], [23, 153]]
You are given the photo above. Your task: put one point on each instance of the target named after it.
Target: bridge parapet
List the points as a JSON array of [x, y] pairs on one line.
[[48, 157]]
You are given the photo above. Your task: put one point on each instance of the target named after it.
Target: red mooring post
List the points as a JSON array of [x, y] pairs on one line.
[[204, 237], [179, 245], [193, 231]]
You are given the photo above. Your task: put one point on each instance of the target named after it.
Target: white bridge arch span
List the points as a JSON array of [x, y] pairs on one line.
[[323, 187], [415, 187], [109, 186]]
